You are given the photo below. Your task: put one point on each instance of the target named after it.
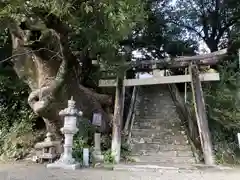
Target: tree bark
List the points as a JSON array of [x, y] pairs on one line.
[[54, 75], [212, 44]]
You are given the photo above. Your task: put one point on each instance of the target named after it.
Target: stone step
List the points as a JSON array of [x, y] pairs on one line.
[[146, 106], [155, 103], [165, 125], [156, 159], [157, 132], [153, 97], [145, 110], [159, 121], [158, 108], [158, 135], [153, 117], [159, 128], [157, 116], [162, 148], [161, 154], [160, 112], [155, 93], [148, 96], [173, 141]]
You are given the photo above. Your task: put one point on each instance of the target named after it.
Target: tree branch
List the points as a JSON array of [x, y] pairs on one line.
[[229, 24], [103, 99], [189, 28], [46, 99], [52, 21]]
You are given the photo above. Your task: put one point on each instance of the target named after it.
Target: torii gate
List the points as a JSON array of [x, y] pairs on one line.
[[192, 62]]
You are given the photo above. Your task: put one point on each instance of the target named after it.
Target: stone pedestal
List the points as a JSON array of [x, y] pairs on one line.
[[66, 160], [97, 154]]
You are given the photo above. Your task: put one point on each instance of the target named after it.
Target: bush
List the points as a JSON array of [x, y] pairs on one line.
[[83, 139], [222, 99], [16, 117], [108, 157]]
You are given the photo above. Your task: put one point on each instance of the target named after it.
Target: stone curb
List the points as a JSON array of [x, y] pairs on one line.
[[156, 168]]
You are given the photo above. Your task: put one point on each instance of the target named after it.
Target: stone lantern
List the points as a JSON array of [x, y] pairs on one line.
[[49, 148], [71, 116]]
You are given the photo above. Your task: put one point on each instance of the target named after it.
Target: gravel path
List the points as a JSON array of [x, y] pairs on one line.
[[23, 171]]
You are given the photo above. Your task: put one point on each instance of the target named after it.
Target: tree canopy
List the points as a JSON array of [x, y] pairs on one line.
[[209, 20], [94, 26]]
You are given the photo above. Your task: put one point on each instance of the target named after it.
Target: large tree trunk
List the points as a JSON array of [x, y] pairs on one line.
[[54, 75], [212, 44]]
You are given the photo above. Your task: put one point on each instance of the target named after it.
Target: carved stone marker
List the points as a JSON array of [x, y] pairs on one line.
[[85, 157], [70, 115], [238, 136], [97, 154]]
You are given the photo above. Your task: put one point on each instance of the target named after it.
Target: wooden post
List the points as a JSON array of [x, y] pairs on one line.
[[238, 57], [201, 116], [123, 94], [117, 120], [185, 88]]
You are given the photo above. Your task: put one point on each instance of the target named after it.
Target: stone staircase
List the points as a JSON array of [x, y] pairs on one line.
[[157, 136]]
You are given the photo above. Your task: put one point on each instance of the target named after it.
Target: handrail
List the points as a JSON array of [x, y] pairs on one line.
[[131, 111], [188, 118], [131, 118]]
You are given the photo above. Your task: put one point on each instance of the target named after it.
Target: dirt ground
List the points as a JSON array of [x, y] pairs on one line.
[[29, 171]]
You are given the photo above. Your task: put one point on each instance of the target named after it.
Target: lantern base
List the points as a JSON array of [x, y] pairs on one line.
[[64, 166]]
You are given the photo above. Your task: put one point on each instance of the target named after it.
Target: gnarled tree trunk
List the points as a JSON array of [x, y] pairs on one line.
[[53, 73]]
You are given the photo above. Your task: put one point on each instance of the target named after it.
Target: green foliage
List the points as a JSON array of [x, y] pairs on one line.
[[106, 141], [16, 117], [223, 97], [14, 106], [108, 157], [83, 139], [17, 142], [79, 144], [96, 27], [159, 37], [222, 100], [225, 144], [126, 152]]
